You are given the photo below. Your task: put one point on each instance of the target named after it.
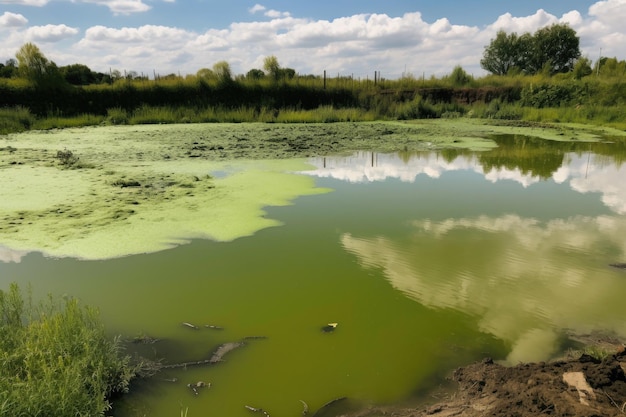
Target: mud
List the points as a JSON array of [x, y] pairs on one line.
[[582, 385]]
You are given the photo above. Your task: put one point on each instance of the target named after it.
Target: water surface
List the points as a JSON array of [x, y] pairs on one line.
[[426, 261]]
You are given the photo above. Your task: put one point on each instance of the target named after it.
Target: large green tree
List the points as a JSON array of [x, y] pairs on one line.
[[556, 46], [553, 48], [504, 53], [34, 66], [78, 74]]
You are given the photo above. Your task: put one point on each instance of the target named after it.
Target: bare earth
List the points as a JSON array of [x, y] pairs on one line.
[[585, 387]]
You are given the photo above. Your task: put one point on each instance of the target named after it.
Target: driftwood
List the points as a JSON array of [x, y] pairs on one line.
[[223, 350], [257, 410], [216, 357]]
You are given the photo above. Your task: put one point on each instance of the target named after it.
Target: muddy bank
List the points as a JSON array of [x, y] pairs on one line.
[[110, 191], [579, 385]]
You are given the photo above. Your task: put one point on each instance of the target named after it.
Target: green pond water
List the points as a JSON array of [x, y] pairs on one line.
[[427, 261]]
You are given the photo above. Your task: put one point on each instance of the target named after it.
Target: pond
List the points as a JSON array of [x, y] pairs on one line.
[[425, 260]]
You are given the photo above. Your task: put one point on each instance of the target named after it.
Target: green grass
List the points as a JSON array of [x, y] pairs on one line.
[[56, 359], [59, 122], [15, 119]]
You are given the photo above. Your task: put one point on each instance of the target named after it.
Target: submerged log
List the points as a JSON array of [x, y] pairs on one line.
[[216, 357], [618, 265], [222, 350]]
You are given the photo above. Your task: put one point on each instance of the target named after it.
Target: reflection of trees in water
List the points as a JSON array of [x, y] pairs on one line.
[[540, 157]]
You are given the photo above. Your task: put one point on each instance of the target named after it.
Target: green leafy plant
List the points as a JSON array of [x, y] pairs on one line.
[[56, 359]]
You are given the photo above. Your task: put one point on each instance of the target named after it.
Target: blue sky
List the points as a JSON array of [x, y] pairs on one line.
[[348, 37]]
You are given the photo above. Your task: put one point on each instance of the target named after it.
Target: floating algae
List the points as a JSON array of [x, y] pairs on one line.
[[141, 189], [87, 214]]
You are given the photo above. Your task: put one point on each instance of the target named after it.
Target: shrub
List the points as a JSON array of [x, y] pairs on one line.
[[117, 116], [418, 108], [15, 119], [56, 359]]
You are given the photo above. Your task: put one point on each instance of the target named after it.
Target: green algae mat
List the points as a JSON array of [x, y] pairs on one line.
[[111, 191]]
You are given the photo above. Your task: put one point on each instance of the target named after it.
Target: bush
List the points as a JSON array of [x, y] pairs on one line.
[[56, 359], [15, 119], [418, 108], [117, 116]]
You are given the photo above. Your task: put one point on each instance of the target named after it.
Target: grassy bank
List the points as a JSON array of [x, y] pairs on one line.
[[56, 359], [597, 98]]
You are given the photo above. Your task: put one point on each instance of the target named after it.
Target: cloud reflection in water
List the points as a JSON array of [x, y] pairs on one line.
[[525, 280]]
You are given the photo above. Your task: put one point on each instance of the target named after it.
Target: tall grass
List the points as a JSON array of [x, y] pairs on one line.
[[15, 119], [56, 359]]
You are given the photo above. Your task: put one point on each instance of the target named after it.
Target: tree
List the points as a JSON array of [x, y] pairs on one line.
[[255, 74], [205, 74], [34, 66], [271, 67], [582, 68], [8, 69], [223, 72], [553, 49], [556, 45], [459, 77], [287, 73], [610, 67], [78, 74], [503, 53]]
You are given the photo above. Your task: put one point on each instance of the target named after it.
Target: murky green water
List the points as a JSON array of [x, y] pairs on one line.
[[426, 262]]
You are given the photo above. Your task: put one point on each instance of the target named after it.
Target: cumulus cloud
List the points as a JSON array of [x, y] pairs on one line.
[[50, 33], [124, 7], [350, 45], [256, 8], [12, 20]]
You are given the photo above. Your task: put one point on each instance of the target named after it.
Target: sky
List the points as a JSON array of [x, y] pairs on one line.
[[343, 37]]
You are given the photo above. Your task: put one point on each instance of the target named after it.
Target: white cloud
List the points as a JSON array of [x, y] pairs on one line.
[[508, 23], [12, 20], [37, 3], [256, 8], [350, 45], [124, 7], [50, 33], [275, 14]]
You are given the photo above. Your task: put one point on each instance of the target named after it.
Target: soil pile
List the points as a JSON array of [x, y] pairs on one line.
[[584, 387]]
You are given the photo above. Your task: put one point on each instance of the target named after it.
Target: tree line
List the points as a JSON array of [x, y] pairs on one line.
[[550, 50], [30, 63]]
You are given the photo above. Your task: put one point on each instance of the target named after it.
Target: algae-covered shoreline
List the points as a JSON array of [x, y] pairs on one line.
[[144, 188]]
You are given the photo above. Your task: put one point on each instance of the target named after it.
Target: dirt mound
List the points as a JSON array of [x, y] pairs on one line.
[[584, 387]]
